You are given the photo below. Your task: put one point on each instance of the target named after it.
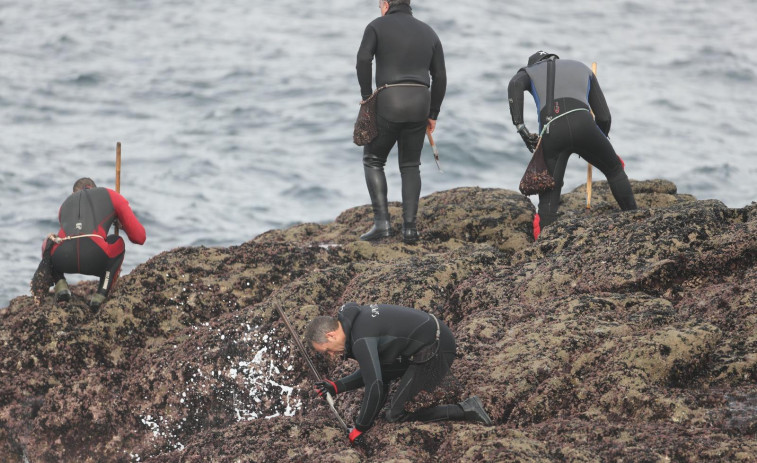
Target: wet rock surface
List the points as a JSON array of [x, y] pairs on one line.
[[618, 336]]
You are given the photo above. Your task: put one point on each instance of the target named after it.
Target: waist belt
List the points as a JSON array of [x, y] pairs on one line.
[[385, 86], [546, 126], [57, 239], [428, 352]]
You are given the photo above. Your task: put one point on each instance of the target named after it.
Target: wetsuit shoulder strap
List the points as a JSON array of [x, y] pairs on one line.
[[550, 87], [91, 208]]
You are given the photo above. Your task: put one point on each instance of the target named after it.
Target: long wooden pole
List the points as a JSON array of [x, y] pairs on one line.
[[588, 168], [313, 370], [118, 173]]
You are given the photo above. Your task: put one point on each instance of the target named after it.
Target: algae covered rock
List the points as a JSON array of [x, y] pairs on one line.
[[617, 336]]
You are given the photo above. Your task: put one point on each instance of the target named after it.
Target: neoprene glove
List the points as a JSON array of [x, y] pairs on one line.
[[355, 436], [530, 139], [325, 386]]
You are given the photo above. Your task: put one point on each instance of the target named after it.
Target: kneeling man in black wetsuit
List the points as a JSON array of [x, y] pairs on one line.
[[390, 342], [565, 91]]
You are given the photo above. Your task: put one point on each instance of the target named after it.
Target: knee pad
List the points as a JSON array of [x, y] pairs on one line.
[[371, 160], [401, 416], [410, 168], [617, 174], [546, 218], [410, 165]]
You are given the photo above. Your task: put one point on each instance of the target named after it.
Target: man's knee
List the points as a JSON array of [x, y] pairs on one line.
[[616, 174], [373, 161], [546, 218], [409, 172], [410, 158], [396, 416]]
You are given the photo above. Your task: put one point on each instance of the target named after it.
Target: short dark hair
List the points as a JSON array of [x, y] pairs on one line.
[[84, 183], [316, 330], [398, 2]]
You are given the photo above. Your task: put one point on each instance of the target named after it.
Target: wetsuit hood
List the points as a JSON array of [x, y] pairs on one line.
[[347, 314], [540, 56], [401, 8]]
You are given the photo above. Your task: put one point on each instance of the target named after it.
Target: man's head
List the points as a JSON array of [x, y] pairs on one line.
[[84, 183], [540, 56], [395, 2], [384, 5], [326, 335]]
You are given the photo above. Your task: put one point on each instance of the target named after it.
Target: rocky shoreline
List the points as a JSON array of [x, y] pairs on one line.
[[618, 336]]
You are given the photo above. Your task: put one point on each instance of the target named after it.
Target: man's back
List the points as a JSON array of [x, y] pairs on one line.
[[390, 330], [405, 48], [572, 79], [93, 210], [85, 211]]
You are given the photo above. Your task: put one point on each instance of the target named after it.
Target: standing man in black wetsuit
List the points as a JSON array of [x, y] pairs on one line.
[[565, 91], [390, 342], [85, 219], [407, 51]]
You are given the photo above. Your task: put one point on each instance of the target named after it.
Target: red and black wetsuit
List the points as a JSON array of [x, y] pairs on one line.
[[386, 341], [93, 211], [575, 88]]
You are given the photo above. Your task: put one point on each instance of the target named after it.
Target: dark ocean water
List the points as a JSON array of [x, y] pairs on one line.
[[236, 117]]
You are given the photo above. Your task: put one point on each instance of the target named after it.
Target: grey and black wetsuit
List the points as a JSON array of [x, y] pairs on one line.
[[386, 341], [575, 87]]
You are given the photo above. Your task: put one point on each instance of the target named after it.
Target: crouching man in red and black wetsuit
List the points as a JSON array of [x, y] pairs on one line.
[[390, 342], [91, 211]]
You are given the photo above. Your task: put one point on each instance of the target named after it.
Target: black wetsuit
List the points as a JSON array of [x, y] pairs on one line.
[[575, 87], [390, 342], [93, 211], [406, 51]]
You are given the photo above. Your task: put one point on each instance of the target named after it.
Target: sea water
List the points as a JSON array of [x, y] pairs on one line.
[[236, 117]]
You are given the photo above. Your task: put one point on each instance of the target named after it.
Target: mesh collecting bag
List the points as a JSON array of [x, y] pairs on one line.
[[366, 128], [536, 179], [43, 277]]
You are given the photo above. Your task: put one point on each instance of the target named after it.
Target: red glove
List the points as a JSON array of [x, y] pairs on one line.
[[355, 437], [537, 226], [324, 386]]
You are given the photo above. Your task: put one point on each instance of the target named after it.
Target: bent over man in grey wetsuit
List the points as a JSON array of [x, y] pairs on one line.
[[564, 91]]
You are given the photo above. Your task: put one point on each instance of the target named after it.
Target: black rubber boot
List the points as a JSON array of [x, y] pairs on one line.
[[409, 233], [376, 182], [411, 192], [474, 411], [62, 293], [96, 301]]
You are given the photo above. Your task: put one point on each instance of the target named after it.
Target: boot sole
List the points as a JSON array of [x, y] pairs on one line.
[[411, 240], [376, 236], [482, 416], [63, 296]]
